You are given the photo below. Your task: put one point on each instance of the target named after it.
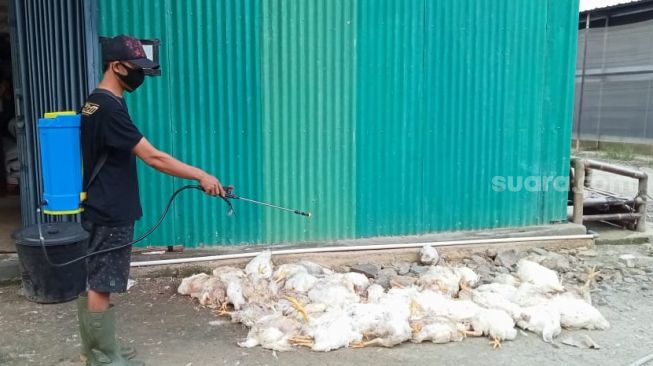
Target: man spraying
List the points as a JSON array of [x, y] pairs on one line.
[[110, 143]]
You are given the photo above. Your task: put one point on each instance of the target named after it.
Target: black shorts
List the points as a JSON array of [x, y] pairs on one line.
[[109, 272]]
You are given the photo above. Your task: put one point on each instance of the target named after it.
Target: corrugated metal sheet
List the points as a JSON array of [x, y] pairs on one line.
[[308, 67], [382, 117], [204, 109], [486, 78], [50, 74], [389, 118]]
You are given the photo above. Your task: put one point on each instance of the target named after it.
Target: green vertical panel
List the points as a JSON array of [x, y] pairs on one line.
[[559, 101], [204, 109], [485, 68], [389, 118], [308, 99]]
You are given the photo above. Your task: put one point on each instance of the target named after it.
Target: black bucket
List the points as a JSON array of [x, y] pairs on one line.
[[42, 282]]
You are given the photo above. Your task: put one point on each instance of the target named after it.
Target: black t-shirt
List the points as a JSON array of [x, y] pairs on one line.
[[113, 198]]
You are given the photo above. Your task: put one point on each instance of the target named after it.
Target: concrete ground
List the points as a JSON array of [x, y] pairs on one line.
[[170, 329], [9, 221]]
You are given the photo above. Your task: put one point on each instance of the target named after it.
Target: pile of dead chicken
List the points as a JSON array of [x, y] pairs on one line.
[[306, 304]]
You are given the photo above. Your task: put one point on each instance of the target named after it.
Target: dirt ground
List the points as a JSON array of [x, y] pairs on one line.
[[170, 329]]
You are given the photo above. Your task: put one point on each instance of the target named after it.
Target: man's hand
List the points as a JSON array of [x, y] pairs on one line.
[[212, 186]]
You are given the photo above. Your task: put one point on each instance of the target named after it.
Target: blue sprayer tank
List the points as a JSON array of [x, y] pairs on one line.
[[61, 166]]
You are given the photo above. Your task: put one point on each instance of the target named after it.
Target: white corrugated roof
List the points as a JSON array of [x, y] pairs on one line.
[[595, 4]]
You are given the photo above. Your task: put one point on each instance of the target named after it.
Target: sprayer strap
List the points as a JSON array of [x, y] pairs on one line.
[[96, 169]]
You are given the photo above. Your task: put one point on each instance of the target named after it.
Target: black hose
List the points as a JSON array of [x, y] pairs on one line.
[[228, 195], [140, 238]]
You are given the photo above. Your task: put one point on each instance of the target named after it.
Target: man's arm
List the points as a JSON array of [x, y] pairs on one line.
[[167, 164]]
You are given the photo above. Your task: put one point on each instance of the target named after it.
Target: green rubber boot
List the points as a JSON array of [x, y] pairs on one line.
[[82, 301], [101, 328]]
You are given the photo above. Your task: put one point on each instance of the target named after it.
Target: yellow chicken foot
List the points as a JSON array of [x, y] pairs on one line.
[[463, 288], [224, 310], [592, 273], [373, 342], [495, 343], [416, 328], [297, 306], [301, 341], [471, 333], [414, 307], [442, 287]]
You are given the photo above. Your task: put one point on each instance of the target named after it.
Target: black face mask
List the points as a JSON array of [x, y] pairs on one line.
[[133, 79]]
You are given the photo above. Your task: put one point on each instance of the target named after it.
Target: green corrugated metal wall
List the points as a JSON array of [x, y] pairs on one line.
[[383, 117]]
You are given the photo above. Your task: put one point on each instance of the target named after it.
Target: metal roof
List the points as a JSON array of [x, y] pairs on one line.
[[586, 5]]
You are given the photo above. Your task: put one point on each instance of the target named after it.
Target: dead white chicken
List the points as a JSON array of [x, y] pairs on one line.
[[334, 294], [390, 324], [300, 282], [427, 303], [538, 275], [437, 329], [461, 311], [576, 313], [235, 295], [365, 317], [193, 285], [429, 255], [260, 267], [375, 293], [357, 282], [250, 313], [496, 324], [389, 332], [272, 332], [298, 306], [493, 300], [258, 291], [226, 272], [440, 278], [541, 319], [506, 279], [431, 303], [213, 293], [285, 271], [468, 278], [529, 294], [506, 291], [332, 330]]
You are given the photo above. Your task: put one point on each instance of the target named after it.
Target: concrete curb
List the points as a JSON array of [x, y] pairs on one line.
[[339, 259]]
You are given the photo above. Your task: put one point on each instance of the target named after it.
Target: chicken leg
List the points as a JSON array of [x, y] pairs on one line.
[[370, 343], [495, 343], [224, 310], [304, 341], [585, 289], [414, 307], [297, 306], [416, 328], [592, 273], [442, 287]]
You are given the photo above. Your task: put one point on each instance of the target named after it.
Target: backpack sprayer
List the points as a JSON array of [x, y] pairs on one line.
[[61, 169]]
